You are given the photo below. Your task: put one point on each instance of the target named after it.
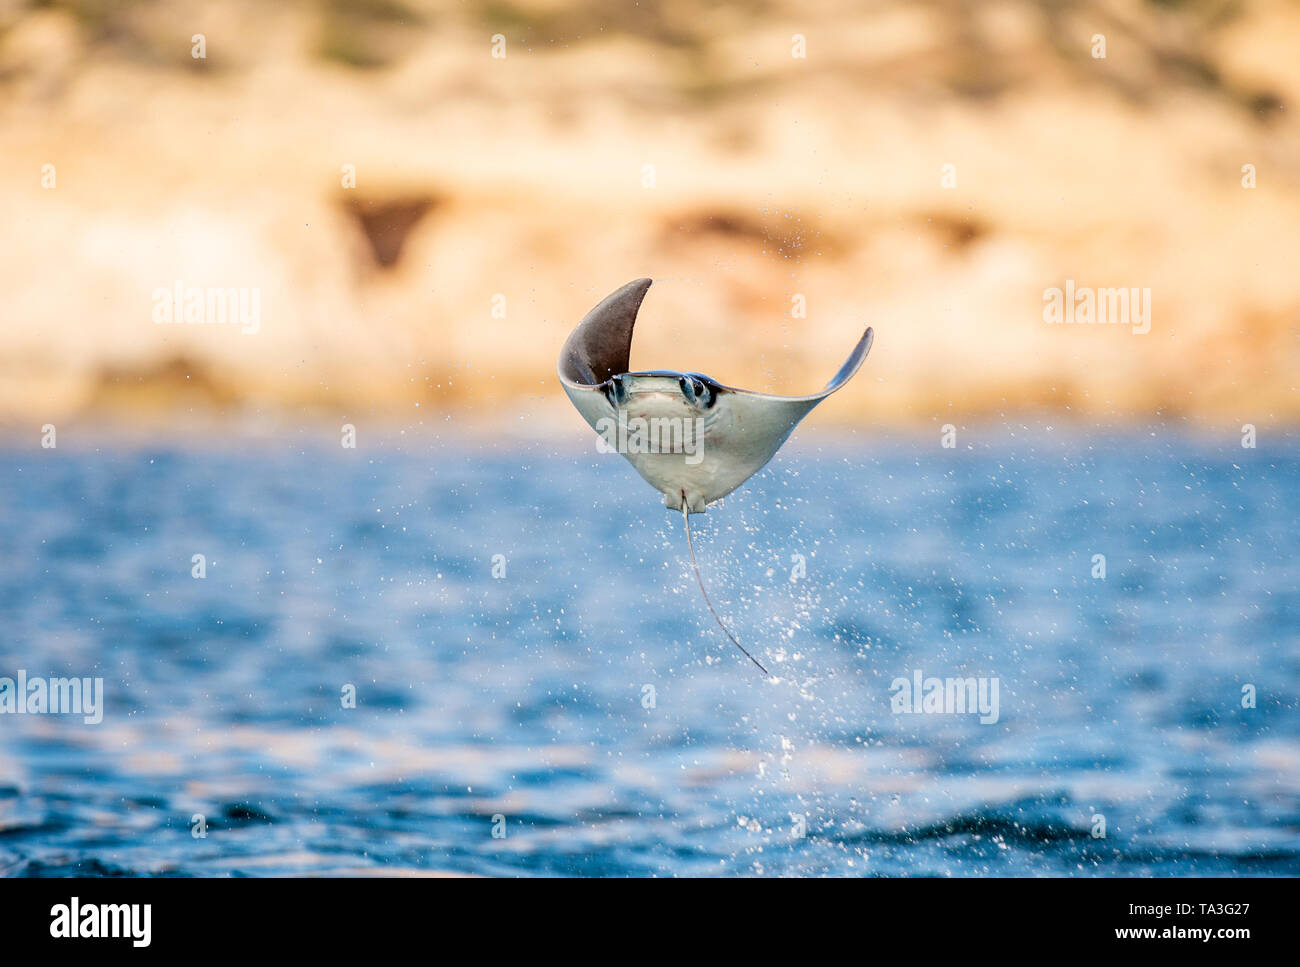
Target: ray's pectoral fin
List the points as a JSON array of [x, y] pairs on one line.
[[758, 424], [852, 364], [602, 343], [803, 404]]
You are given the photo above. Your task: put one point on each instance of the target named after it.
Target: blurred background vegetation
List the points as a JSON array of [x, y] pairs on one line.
[[679, 140]]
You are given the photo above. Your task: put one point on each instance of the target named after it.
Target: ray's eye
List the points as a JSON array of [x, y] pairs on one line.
[[698, 392]]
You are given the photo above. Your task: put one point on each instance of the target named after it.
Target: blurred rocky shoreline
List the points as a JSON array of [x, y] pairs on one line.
[[421, 199]]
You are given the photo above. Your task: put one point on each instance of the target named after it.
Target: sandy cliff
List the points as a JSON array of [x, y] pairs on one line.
[[497, 198]]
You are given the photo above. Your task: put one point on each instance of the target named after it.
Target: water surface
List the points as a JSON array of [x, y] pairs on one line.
[[584, 697]]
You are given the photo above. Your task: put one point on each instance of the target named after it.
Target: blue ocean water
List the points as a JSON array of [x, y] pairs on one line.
[[530, 656]]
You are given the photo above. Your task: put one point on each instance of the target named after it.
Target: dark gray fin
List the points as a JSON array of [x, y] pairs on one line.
[[601, 345], [686, 516]]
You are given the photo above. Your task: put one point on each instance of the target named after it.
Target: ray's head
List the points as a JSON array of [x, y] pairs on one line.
[[663, 391]]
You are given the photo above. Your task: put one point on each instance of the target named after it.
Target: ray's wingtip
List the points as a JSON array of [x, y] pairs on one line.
[[629, 294]]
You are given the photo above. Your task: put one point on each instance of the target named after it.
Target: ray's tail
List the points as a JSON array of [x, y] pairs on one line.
[[686, 516]]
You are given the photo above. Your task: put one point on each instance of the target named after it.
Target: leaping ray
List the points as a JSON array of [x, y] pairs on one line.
[[717, 436]]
